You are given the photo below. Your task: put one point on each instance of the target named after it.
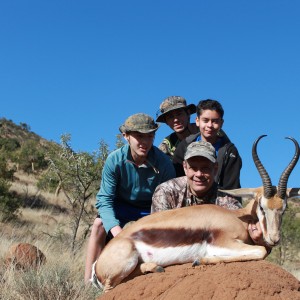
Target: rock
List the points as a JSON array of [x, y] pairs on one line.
[[259, 280], [24, 256]]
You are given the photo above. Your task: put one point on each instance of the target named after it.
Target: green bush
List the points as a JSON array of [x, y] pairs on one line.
[[9, 145], [5, 172], [9, 203]]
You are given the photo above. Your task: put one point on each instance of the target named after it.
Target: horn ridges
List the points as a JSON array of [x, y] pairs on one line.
[[282, 185], [267, 184]]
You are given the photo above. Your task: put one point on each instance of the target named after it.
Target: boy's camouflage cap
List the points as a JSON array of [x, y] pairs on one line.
[[172, 103], [140, 122], [201, 148]]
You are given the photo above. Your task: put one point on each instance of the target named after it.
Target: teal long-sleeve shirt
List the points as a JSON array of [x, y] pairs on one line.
[[124, 183]]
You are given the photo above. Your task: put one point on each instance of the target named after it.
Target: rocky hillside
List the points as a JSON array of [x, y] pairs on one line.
[[20, 134]]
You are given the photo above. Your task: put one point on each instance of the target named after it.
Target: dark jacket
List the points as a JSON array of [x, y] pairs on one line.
[[169, 143], [229, 162]]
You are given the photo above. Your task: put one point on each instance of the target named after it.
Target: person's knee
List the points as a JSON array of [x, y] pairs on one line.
[[97, 225], [98, 229]]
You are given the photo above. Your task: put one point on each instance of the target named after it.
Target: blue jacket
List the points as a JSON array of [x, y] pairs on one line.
[[126, 190]]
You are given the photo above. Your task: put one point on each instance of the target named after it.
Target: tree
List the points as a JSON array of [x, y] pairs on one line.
[[119, 141], [25, 126], [78, 175], [9, 203], [6, 173], [31, 157]]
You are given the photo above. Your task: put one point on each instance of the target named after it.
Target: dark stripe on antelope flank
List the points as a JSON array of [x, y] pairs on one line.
[[168, 237]]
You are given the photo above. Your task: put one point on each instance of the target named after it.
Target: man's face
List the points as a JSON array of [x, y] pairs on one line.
[[177, 119], [200, 173]]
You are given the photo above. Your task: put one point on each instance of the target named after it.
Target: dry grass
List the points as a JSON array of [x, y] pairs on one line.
[[26, 184], [62, 277]]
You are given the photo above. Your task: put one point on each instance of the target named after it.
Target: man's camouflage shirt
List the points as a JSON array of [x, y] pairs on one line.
[[176, 193]]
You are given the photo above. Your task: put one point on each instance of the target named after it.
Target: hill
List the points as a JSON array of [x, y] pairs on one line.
[[21, 133]]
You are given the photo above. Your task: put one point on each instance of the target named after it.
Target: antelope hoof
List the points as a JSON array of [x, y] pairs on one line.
[[159, 269], [151, 268], [196, 263]]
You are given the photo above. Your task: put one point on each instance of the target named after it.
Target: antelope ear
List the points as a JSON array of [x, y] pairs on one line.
[[293, 193], [246, 193]]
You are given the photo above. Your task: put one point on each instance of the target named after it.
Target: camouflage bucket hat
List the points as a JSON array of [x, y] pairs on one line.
[[139, 122], [172, 103], [201, 148]]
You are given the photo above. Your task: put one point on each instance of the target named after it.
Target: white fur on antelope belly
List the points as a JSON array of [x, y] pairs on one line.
[[174, 246]]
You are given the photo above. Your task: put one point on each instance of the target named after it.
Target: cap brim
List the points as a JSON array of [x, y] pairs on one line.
[[161, 118], [123, 129], [191, 108], [209, 157]]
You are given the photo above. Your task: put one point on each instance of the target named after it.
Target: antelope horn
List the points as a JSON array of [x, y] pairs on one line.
[[267, 184], [286, 173]]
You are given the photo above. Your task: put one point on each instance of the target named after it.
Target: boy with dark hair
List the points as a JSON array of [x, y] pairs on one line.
[[210, 120]]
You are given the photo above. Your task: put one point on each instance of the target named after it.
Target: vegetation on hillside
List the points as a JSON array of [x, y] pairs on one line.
[[20, 150]]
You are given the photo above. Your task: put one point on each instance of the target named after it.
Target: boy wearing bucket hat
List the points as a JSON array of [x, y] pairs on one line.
[[129, 178], [210, 121], [175, 112]]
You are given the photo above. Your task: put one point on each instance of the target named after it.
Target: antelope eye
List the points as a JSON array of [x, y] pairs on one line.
[[262, 210]]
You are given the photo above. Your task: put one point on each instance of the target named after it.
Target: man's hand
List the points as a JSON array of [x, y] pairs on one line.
[[255, 233]]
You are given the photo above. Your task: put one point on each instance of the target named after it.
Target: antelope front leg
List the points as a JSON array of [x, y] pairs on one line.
[[237, 252]]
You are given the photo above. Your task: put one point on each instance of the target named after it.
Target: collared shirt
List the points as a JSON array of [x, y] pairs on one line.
[[176, 193]]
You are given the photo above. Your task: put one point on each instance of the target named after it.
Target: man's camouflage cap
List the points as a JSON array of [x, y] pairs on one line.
[[201, 148], [140, 122], [172, 103]]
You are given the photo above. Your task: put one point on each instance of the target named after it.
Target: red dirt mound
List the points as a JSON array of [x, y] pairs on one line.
[[259, 280]]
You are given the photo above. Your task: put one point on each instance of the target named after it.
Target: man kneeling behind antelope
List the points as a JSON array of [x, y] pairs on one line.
[[201, 234]]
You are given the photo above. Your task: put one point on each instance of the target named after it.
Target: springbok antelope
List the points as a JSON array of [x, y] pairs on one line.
[[204, 234]]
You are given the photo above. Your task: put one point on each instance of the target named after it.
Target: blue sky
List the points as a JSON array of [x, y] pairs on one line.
[[82, 67]]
